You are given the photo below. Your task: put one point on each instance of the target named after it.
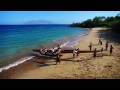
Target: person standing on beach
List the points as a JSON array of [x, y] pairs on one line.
[[111, 49], [77, 52], [90, 46], [45, 50], [58, 50], [100, 42], [53, 50], [74, 52], [58, 46], [58, 59], [106, 45], [101, 50], [40, 51], [94, 53]]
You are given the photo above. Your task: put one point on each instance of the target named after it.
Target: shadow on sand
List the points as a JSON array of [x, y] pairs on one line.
[[42, 60], [41, 63], [109, 35]]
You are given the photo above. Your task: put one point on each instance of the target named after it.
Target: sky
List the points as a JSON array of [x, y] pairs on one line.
[[58, 17]]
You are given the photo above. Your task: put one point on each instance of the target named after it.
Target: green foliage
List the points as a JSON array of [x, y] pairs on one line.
[[101, 21], [116, 25]]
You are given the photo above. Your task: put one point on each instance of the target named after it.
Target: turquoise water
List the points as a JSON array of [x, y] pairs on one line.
[[19, 40]]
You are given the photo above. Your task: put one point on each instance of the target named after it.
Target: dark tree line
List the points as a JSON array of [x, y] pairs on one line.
[[101, 21]]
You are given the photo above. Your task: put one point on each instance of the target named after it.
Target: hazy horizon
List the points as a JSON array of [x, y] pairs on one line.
[[49, 17]]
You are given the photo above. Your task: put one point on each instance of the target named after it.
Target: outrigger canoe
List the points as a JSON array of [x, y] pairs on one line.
[[66, 51]]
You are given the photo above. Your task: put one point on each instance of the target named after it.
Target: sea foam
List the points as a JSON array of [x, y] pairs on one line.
[[16, 63], [68, 43], [24, 59]]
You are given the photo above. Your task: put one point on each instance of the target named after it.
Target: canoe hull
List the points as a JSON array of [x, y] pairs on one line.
[[69, 51]]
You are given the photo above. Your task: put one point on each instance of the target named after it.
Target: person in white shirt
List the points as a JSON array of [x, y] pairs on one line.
[[74, 52], [58, 50], [53, 50]]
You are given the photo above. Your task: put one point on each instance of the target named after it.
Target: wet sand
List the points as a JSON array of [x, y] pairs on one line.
[[84, 66]]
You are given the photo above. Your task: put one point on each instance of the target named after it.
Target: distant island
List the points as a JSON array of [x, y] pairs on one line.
[[39, 22], [100, 21]]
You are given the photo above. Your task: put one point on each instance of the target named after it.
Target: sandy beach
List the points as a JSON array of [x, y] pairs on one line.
[[84, 66]]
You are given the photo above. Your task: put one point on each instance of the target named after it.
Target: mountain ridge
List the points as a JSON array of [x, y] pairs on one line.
[[40, 22]]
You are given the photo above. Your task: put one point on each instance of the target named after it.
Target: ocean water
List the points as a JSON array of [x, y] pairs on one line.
[[17, 41]]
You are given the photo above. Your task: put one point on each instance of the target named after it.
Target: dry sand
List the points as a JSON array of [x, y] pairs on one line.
[[84, 66]]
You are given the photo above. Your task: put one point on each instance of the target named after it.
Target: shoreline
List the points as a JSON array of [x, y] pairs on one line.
[[80, 67], [20, 62], [12, 49], [22, 58]]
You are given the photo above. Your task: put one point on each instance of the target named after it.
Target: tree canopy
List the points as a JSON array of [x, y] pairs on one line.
[[101, 21]]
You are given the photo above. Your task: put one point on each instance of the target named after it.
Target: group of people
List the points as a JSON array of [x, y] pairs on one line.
[[100, 43], [75, 51], [53, 50], [106, 45]]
